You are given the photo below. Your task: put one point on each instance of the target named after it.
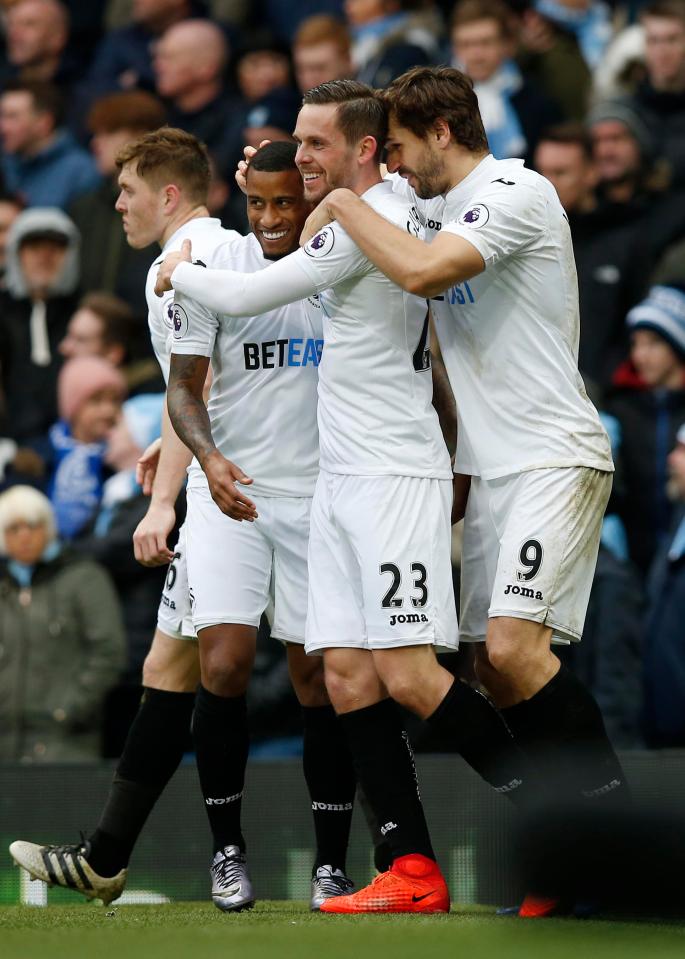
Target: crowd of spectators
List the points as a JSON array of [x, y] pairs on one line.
[[590, 93]]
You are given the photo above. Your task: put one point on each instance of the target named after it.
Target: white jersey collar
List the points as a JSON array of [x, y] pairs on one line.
[[189, 227]]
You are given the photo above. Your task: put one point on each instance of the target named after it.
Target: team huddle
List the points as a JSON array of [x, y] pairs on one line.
[[320, 487]]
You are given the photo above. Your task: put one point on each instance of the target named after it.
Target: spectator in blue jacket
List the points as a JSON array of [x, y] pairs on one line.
[[42, 163]]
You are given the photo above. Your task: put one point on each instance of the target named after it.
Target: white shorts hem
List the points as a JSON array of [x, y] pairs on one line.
[[223, 619]]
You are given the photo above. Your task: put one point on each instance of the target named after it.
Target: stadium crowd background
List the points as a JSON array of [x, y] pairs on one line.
[[591, 95]]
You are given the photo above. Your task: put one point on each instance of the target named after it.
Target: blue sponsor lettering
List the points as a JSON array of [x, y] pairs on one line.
[[294, 351], [461, 293], [272, 354]]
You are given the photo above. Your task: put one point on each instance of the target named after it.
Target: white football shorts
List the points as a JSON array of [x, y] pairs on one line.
[[173, 616], [530, 549], [380, 573], [236, 569]]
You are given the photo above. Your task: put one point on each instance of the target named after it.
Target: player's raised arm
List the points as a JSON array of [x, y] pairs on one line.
[[418, 267]]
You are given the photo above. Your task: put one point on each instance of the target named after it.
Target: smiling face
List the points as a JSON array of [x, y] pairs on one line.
[[324, 157], [141, 206], [421, 165], [276, 209]]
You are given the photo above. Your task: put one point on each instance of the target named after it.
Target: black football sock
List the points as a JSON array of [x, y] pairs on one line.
[[384, 763], [562, 731], [331, 780], [221, 747], [155, 745], [475, 726]]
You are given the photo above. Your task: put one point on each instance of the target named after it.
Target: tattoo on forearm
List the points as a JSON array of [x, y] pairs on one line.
[[187, 411]]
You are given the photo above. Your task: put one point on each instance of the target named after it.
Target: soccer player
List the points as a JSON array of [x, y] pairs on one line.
[[164, 180], [380, 591], [501, 279], [261, 412]]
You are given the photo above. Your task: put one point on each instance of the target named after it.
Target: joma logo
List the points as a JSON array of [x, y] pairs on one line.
[[408, 618], [522, 591]]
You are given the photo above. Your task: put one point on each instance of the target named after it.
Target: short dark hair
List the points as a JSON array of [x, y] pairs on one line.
[[116, 316], [360, 112], [46, 97], [667, 9], [423, 95], [170, 155], [135, 110], [570, 134], [275, 157], [474, 11]]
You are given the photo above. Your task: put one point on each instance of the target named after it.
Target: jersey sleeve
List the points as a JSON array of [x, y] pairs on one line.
[[232, 293], [194, 327], [503, 220], [331, 257]]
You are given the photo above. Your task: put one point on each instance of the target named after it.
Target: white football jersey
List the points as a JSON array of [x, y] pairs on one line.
[[376, 417], [509, 336], [262, 402], [207, 236]]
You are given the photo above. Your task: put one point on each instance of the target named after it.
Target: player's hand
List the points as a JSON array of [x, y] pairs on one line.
[[320, 217], [461, 484], [169, 264], [241, 172], [150, 538], [222, 475], [146, 467]]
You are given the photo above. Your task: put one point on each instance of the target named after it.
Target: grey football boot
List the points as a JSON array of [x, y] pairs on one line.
[[327, 883], [231, 885]]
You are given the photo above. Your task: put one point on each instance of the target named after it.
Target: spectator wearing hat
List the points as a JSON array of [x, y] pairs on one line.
[[41, 280], [108, 263], [62, 638], [41, 162], [648, 400], [90, 392], [70, 461], [664, 653]]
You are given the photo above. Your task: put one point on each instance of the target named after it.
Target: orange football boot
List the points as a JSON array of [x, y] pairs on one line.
[[413, 883], [539, 907]]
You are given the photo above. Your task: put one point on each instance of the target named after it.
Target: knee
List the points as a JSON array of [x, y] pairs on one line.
[[225, 672], [309, 684], [503, 659], [350, 689], [177, 674], [403, 689]]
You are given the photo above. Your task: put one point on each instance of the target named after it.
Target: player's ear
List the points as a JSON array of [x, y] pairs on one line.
[[442, 132], [172, 195], [367, 149]]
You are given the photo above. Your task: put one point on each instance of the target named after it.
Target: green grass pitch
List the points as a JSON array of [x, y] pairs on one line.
[[286, 930]]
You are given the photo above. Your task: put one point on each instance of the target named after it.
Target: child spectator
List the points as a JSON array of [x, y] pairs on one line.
[[89, 394], [648, 401]]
